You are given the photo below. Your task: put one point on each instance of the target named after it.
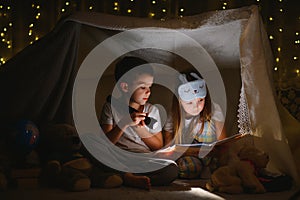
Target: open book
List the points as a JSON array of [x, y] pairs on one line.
[[205, 147], [218, 142]]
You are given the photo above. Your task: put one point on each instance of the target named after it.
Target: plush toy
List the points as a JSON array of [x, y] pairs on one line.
[[241, 173], [20, 143], [190, 167], [65, 166], [17, 151]]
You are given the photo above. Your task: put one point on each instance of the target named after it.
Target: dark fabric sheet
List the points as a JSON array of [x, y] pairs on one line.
[[36, 84]]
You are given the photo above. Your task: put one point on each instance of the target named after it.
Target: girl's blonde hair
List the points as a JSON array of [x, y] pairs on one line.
[[178, 114]]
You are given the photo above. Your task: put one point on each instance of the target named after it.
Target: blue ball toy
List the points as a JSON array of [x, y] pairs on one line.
[[27, 136]]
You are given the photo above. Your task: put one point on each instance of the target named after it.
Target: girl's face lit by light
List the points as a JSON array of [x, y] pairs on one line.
[[193, 107]]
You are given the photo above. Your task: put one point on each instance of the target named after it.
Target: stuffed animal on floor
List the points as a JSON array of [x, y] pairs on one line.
[[20, 144], [190, 167], [17, 151], [65, 167], [241, 173]]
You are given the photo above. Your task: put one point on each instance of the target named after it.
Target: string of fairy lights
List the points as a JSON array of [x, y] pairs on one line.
[[286, 64], [6, 40], [277, 39], [37, 14]]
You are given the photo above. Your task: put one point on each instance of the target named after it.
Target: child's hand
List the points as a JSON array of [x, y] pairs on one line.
[[134, 119], [137, 119]]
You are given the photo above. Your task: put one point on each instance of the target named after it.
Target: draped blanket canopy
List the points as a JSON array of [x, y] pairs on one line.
[[38, 82]]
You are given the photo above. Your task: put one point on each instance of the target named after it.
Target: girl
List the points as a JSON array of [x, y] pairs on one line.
[[194, 119]]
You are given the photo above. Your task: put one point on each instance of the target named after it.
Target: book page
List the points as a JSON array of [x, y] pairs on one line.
[[218, 142], [197, 149]]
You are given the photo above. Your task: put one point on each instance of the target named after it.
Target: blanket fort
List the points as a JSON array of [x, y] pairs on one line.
[[234, 39]]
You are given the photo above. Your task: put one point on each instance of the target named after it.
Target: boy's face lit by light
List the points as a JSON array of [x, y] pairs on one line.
[[193, 107], [141, 89]]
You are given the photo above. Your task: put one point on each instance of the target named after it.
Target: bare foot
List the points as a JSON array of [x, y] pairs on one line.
[[132, 180]]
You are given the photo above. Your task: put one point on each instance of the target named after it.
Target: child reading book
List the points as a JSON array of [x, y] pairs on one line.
[[194, 119]]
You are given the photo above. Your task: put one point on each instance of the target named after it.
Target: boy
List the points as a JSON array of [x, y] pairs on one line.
[[124, 120]]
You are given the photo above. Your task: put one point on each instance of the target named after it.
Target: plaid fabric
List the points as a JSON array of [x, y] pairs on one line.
[[208, 134]]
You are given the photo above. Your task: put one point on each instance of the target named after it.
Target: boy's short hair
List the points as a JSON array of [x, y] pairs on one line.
[[128, 63]]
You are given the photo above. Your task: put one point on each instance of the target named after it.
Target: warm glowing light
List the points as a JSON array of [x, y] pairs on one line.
[[2, 60], [281, 10], [91, 7], [30, 32], [164, 10], [129, 10], [278, 49], [297, 42], [277, 59], [271, 18], [297, 33], [2, 34], [181, 9], [8, 7], [116, 8], [280, 30], [67, 3], [151, 14], [10, 24], [271, 37], [37, 7], [4, 29], [153, 2], [36, 38], [31, 25], [62, 10], [295, 58], [275, 68], [116, 3]]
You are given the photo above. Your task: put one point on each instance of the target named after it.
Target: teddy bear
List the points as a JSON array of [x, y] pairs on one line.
[[64, 164], [241, 172]]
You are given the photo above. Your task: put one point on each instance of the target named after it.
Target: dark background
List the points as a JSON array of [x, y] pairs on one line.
[[25, 21]]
